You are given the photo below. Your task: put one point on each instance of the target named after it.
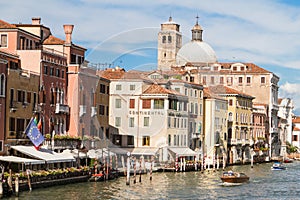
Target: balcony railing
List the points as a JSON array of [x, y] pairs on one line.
[[195, 135], [62, 144], [61, 108]]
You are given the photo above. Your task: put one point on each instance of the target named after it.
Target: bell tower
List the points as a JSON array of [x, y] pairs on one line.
[[169, 43]]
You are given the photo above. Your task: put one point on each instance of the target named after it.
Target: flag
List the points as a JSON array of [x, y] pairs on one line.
[[34, 134], [39, 125]]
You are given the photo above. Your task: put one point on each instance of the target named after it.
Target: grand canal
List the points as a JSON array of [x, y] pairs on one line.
[[264, 184]]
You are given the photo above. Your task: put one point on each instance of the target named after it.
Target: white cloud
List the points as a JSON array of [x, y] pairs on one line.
[[262, 32], [291, 90]]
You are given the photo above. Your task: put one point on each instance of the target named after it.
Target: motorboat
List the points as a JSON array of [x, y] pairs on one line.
[[97, 177], [278, 166], [234, 177], [287, 160]]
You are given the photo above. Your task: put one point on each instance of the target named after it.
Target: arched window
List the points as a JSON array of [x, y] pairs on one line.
[[2, 85], [169, 39], [164, 39]]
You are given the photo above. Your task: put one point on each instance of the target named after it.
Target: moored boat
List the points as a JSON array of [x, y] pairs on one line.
[[234, 177], [97, 177], [287, 160], [278, 166]]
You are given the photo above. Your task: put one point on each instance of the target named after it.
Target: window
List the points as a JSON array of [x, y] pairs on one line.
[[132, 87], [62, 73], [240, 80], [212, 80], [175, 140], [131, 103], [221, 80], [192, 79], [169, 39], [102, 88], [229, 80], [177, 90], [146, 121], [263, 80], [51, 71], [28, 100], [2, 85], [118, 103], [12, 124], [131, 122], [295, 138], [57, 73], [118, 121], [248, 80], [169, 140], [158, 104], [146, 103], [45, 69], [21, 96], [3, 40], [164, 39], [118, 87], [204, 79], [101, 109], [146, 140]]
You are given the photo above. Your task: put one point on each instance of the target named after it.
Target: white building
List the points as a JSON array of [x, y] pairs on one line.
[[156, 116], [285, 115]]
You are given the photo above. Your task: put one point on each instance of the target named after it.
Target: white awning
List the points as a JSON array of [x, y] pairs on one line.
[[44, 154], [146, 151], [98, 153], [183, 151], [25, 161]]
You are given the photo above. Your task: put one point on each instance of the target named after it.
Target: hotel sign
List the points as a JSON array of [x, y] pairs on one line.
[[156, 112]]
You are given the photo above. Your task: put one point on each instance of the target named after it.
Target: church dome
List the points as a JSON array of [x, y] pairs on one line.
[[195, 52]]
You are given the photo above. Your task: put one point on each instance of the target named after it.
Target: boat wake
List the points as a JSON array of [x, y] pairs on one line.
[[231, 184]]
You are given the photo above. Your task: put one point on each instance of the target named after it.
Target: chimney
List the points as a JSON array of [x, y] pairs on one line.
[[36, 20], [68, 28]]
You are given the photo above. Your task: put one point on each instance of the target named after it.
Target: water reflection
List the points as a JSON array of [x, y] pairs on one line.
[[264, 184]]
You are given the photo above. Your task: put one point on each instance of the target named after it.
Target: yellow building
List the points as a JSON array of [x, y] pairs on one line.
[[22, 100], [240, 131]]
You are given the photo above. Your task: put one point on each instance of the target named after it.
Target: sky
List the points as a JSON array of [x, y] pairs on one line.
[[124, 33]]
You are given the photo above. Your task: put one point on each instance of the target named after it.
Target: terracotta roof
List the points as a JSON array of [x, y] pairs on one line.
[[221, 89], [4, 24], [53, 40], [157, 89], [296, 129], [207, 93], [279, 100], [296, 120]]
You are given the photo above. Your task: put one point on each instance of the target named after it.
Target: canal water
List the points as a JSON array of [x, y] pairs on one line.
[[264, 184]]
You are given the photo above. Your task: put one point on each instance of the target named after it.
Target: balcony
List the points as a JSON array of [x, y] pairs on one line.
[[196, 135], [93, 111], [62, 143], [232, 141], [61, 108], [245, 142], [13, 106], [273, 130], [82, 110]]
